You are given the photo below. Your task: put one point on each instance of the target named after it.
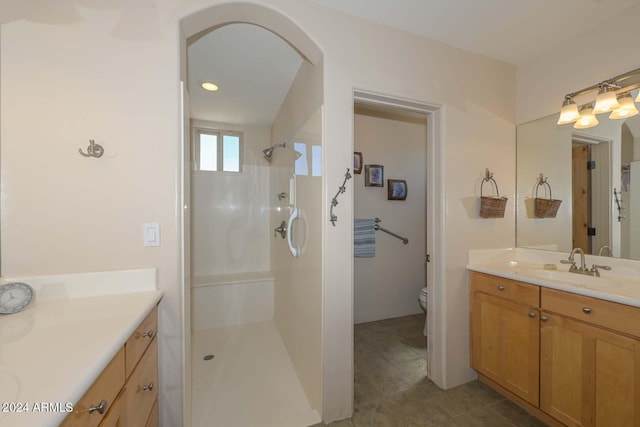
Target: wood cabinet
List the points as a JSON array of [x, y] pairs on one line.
[[569, 359], [590, 374], [505, 333], [126, 392]]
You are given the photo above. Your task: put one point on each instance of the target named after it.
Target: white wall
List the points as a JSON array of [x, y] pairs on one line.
[[230, 211], [115, 80], [388, 284]]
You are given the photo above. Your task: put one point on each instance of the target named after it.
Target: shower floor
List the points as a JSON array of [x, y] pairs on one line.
[[249, 382]]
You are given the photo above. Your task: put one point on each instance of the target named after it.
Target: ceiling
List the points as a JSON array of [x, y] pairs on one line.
[[508, 30], [255, 69]]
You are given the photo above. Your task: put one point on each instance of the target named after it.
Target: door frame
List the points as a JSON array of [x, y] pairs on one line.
[[436, 325]]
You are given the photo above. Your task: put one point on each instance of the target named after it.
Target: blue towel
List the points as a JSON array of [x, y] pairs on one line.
[[364, 238]]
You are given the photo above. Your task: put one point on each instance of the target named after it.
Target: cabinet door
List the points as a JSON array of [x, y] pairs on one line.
[[589, 376], [505, 344], [142, 387]]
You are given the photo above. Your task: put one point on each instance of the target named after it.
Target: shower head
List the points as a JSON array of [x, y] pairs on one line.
[[268, 152]]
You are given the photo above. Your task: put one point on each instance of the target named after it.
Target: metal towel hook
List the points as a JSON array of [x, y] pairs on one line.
[[334, 202], [93, 150]]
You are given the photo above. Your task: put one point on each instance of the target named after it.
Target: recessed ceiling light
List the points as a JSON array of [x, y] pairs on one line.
[[209, 86]]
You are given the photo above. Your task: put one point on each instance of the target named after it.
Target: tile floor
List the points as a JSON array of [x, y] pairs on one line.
[[391, 388]]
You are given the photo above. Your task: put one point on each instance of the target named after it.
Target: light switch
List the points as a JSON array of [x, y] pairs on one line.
[[151, 233]]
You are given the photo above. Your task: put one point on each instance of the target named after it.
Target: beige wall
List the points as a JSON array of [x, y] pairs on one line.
[[388, 284], [61, 213], [101, 78]]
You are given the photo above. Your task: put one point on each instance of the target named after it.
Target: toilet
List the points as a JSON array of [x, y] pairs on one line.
[[422, 298]]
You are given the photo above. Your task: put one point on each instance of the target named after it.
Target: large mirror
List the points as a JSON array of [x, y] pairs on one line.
[[594, 175]]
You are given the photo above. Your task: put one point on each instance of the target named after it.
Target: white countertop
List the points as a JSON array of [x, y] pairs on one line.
[[621, 284], [55, 349]]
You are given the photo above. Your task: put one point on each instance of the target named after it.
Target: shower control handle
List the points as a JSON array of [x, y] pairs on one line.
[[282, 229]]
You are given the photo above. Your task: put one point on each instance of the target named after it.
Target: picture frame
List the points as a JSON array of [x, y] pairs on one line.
[[396, 189], [374, 176], [357, 162]]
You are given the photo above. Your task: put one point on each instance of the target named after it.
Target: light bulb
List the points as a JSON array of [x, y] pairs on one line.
[[569, 112], [587, 118], [627, 107], [212, 87], [605, 101]]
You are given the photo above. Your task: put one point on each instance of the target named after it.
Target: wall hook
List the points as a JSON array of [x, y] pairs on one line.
[[93, 150], [334, 202]]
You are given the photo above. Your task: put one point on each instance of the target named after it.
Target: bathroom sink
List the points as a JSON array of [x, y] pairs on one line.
[[575, 279]]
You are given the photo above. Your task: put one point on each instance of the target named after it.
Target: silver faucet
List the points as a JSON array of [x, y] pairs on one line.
[[571, 260], [583, 265], [603, 249]]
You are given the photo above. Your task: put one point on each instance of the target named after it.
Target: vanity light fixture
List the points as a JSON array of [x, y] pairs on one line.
[[612, 96], [211, 87], [627, 107], [587, 118], [569, 112], [606, 100]]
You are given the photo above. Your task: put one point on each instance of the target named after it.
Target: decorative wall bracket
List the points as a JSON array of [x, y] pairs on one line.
[[334, 201], [93, 150], [618, 198]]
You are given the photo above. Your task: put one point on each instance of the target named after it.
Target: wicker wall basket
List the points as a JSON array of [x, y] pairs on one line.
[[546, 208], [492, 206]]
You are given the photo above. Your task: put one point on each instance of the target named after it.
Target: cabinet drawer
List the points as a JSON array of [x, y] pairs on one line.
[[105, 388], [523, 293], [619, 317], [140, 339], [142, 387]]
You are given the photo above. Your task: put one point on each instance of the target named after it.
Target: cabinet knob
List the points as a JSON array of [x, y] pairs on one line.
[[532, 314], [586, 310], [100, 407], [544, 318], [501, 288], [149, 334], [146, 387]]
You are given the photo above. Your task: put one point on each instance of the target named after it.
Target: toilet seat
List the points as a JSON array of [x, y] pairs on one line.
[[422, 298]]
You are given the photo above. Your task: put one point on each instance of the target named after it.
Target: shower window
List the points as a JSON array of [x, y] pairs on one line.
[[218, 151]]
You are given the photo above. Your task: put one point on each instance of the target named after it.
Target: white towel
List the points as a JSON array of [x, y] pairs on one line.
[[364, 238]]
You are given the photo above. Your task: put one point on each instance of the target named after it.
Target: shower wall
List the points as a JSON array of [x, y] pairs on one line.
[[298, 281], [230, 211]]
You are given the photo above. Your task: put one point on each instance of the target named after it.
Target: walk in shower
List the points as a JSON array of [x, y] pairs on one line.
[[255, 190]]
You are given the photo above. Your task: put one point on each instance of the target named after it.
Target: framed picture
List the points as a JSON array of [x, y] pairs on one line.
[[396, 189], [357, 162], [374, 175]]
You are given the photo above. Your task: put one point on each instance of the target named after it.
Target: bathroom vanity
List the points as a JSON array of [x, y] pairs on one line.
[[564, 346], [84, 353], [126, 391]]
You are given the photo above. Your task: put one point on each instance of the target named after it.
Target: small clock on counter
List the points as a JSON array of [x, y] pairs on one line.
[[15, 297]]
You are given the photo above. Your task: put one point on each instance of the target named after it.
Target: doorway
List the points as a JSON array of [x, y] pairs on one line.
[[435, 275], [591, 182]]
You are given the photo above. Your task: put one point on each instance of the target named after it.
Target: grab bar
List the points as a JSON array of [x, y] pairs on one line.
[[377, 227]]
